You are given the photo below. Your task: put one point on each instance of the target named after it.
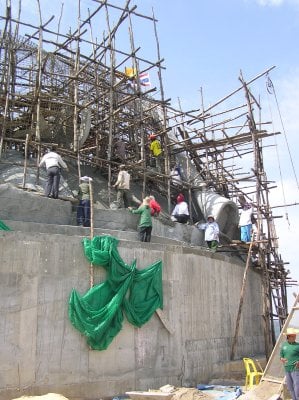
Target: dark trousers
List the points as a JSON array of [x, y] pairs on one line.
[[83, 213], [53, 179], [212, 244], [145, 233], [123, 195], [182, 218]]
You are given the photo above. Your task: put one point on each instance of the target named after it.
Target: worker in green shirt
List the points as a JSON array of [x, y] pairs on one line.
[[145, 221], [289, 356]]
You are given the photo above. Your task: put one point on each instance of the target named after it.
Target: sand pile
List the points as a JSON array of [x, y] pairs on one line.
[[262, 392], [49, 396], [190, 394]]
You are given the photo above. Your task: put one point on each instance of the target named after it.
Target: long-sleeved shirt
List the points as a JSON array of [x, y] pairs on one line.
[[155, 148], [83, 192], [211, 231], [123, 180], [155, 207], [52, 159], [175, 177], [145, 216], [181, 209]]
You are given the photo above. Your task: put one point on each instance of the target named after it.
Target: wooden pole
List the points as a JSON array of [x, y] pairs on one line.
[[6, 77], [112, 101], [25, 161], [235, 338], [91, 267], [138, 105], [165, 140]]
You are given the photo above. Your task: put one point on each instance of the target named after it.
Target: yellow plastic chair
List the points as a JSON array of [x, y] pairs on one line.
[[253, 376]]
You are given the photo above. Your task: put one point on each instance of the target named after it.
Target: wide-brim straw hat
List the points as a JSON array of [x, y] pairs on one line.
[[291, 331]]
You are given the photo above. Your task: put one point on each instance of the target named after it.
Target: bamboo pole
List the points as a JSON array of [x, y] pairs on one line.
[[112, 101], [37, 94], [25, 161], [239, 313], [76, 94], [6, 77], [138, 104], [91, 267], [165, 140]]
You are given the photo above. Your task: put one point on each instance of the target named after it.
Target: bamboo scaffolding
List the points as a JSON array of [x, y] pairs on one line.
[[50, 78]]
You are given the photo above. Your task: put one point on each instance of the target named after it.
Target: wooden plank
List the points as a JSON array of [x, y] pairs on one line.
[[165, 321]]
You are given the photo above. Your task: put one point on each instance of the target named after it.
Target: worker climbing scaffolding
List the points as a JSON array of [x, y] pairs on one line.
[[156, 152]]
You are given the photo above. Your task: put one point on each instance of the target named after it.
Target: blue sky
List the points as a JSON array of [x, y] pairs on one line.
[[205, 44]]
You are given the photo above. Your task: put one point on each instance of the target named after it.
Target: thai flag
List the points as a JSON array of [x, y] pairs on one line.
[[144, 79]]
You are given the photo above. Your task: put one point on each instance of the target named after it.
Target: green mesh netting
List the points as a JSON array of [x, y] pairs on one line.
[[99, 313], [4, 227]]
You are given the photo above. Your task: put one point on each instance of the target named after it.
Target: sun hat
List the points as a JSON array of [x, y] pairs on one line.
[[211, 216], [85, 179], [291, 331]]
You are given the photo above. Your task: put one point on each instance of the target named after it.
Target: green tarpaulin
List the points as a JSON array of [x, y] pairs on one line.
[[4, 227], [99, 313]]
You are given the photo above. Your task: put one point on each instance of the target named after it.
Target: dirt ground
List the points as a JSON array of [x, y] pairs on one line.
[[190, 394], [262, 392], [179, 394], [49, 396]]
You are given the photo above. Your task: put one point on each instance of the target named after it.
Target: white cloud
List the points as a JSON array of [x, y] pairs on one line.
[[276, 3], [270, 2]]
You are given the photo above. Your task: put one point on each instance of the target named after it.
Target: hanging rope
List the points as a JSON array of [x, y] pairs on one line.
[[271, 90]]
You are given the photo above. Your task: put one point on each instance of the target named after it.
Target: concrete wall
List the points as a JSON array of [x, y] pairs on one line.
[[41, 351], [18, 205]]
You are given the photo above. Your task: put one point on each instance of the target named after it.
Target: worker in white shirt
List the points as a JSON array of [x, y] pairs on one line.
[[211, 229], [53, 163], [245, 222], [180, 212], [123, 187]]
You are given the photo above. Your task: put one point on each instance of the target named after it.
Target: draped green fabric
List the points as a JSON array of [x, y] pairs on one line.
[[99, 313], [4, 227]]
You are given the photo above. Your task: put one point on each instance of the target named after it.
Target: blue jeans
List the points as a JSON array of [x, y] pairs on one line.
[[83, 213], [292, 380], [246, 233]]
